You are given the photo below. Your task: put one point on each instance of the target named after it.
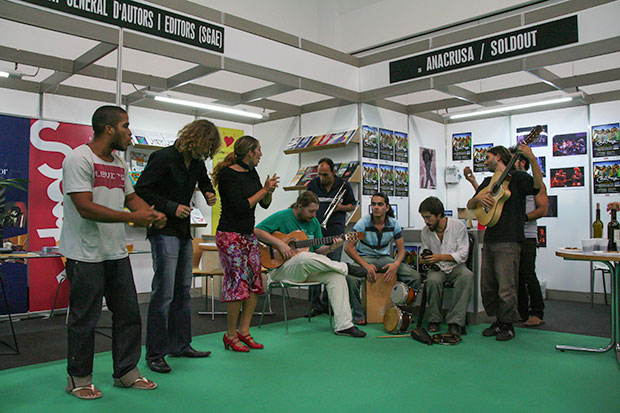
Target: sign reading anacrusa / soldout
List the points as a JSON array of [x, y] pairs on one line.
[[532, 39]]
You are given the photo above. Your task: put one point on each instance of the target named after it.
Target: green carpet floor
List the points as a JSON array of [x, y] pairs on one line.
[[312, 369]]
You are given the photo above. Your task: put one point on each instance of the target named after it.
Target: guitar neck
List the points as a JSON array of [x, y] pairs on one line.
[[316, 241]]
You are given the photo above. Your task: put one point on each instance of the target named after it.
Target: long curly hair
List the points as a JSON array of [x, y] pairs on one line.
[[243, 146], [199, 136]]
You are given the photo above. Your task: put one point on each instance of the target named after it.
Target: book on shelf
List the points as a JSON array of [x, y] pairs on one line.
[[138, 160], [169, 138], [310, 173], [298, 175], [303, 142], [292, 144], [196, 217], [351, 168], [134, 176]]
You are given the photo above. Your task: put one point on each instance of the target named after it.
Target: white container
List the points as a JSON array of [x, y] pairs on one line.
[[589, 245], [601, 244]]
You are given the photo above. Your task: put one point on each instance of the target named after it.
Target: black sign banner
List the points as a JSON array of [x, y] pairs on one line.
[[143, 18], [523, 41]]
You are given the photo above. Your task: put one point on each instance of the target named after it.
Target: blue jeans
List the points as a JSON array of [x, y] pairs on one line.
[[169, 324]]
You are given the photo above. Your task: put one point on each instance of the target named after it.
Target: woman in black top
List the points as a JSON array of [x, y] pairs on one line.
[[240, 190]]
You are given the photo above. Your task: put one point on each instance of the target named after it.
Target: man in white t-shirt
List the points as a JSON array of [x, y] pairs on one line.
[[96, 188]]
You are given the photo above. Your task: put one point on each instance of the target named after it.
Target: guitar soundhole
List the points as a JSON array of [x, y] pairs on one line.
[[293, 245]]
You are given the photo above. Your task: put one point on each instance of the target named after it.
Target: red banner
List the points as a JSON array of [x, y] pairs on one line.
[[50, 143]]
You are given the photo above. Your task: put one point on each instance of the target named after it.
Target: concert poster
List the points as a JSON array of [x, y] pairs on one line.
[[370, 142], [461, 146], [411, 255], [541, 140], [570, 144], [386, 145], [542, 236], [552, 210], [401, 181], [386, 181], [370, 178], [605, 140], [606, 177], [480, 154], [401, 147], [542, 162], [428, 168], [567, 177]]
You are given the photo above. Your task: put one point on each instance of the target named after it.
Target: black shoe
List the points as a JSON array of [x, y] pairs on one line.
[[192, 353], [351, 332], [314, 312], [356, 270], [159, 365], [491, 330], [507, 332], [433, 327], [454, 329]]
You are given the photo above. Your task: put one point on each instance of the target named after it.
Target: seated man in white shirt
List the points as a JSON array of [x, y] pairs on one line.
[[447, 239]]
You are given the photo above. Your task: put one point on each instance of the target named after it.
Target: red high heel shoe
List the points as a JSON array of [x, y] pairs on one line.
[[249, 341], [234, 344]]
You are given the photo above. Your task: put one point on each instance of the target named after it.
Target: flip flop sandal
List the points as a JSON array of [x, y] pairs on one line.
[[446, 339], [76, 392], [141, 383]]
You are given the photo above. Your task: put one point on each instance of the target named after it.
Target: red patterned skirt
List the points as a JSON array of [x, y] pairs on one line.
[[240, 258]]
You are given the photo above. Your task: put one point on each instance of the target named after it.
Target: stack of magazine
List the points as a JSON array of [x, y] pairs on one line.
[[306, 173], [304, 142]]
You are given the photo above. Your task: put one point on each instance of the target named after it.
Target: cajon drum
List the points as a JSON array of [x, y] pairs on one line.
[[376, 298]]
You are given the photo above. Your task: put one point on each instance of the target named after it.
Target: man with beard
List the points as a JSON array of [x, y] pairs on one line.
[[96, 188], [310, 266], [501, 248], [447, 239]]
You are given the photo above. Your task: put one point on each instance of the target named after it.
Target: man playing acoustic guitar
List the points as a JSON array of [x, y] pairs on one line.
[[310, 266], [501, 248]]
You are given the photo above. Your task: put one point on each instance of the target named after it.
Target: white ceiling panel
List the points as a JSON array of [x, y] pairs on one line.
[[299, 97], [602, 88], [231, 82], [98, 84], [424, 96], [146, 63], [499, 82]]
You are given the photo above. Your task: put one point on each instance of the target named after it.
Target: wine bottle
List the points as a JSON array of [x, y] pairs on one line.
[[597, 225], [613, 232]]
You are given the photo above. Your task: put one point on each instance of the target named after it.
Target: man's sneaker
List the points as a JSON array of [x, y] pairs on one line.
[[351, 332], [491, 330], [507, 332]]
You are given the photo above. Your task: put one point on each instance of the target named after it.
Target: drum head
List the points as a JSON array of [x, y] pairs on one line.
[[392, 320], [399, 293]]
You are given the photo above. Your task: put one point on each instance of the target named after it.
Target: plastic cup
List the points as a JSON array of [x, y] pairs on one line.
[[129, 246], [588, 245], [601, 244]]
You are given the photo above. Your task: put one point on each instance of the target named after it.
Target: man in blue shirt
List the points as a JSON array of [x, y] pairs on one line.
[[373, 252]]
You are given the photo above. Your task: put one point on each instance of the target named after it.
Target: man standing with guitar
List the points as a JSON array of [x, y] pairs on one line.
[[501, 247], [303, 266]]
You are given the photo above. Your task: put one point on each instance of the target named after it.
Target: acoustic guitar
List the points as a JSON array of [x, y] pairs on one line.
[[498, 187], [298, 241]]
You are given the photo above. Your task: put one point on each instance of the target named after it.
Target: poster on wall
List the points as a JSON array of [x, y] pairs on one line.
[[461, 146], [401, 147], [386, 145], [541, 140], [370, 178], [542, 162], [541, 231], [428, 168], [14, 215], [570, 144], [552, 209], [386, 179], [370, 142], [50, 143], [411, 255], [480, 154], [401, 181], [567, 177], [605, 140], [606, 177]]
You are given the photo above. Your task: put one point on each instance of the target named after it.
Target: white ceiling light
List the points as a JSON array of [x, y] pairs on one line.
[[511, 107], [12, 74], [205, 106]]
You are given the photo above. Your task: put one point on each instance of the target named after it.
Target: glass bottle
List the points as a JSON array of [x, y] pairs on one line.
[[613, 232], [597, 225]]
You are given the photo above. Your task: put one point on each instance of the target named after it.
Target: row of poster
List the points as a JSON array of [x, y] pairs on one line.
[[389, 179], [384, 144], [605, 143]]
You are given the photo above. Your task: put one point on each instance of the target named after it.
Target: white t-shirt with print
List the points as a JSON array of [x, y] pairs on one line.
[[83, 239]]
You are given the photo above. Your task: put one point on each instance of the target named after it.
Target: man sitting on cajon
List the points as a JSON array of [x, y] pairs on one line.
[[373, 252]]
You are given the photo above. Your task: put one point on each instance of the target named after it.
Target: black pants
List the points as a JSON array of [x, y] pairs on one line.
[[530, 300], [89, 283], [322, 300]]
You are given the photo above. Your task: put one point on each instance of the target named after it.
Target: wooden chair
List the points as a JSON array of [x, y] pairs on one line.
[[213, 269]]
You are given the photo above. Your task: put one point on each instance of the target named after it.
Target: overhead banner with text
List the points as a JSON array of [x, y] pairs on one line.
[[143, 18], [519, 42]]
